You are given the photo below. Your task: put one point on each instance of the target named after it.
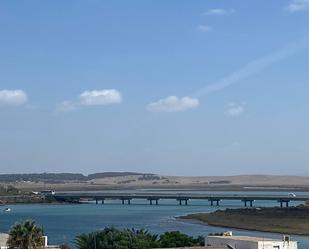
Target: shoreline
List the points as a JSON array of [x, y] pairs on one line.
[[294, 224], [193, 221]]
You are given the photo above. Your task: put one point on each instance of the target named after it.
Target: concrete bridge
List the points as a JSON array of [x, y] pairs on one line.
[[182, 199]]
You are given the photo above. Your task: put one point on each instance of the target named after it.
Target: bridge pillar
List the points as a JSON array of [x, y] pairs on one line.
[[153, 200], [284, 201], [102, 201], [122, 201], [129, 202], [96, 201], [248, 201], [183, 200], [212, 201]]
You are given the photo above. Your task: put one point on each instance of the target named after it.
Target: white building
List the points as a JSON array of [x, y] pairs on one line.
[[3, 239], [246, 242]]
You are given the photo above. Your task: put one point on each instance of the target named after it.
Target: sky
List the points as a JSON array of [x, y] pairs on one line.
[[169, 87]]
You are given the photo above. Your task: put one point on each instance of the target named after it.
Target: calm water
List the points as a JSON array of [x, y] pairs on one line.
[[63, 222]]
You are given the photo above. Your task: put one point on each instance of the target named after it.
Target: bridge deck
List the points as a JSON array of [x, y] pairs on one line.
[[176, 196]]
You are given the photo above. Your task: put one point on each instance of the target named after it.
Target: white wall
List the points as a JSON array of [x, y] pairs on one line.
[[243, 244], [281, 244]]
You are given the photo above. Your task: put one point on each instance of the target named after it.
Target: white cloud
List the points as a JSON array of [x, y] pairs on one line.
[[204, 28], [100, 97], [219, 12], [234, 110], [91, 98], [298, 5], [173, 104], [13, 97]]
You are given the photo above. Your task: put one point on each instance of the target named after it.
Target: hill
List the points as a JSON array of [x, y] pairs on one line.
[[59, 177], [134, 180]]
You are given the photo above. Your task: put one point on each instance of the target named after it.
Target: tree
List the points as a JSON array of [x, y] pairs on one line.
[[112, 238], [176, 239], [86, 241], [64, 246], [26, 235], [145, 239], [200, 241]]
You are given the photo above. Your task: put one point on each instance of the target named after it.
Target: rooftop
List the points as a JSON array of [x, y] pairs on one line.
[[244, 238], [201, 247]]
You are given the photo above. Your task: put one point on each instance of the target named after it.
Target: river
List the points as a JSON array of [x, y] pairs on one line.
[[62, 222]]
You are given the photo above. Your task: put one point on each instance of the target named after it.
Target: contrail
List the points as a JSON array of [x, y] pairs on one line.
[[253, 68]]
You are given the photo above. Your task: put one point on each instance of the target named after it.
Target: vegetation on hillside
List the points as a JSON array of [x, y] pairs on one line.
[[114, 174], [8, 190], [61, 177], [10, 194], [41, 177]]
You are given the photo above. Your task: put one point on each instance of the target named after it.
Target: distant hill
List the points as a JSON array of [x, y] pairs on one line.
[[114, 174], [134, 180], [61, 177]]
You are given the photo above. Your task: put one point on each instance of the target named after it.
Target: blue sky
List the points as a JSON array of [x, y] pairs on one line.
[[169, 87]]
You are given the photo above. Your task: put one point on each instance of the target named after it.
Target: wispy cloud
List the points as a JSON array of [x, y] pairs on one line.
[[66, 106], [173, 104], [100, 97], [219, 12], [204, 28], [13, 97], [298, 5], [234, 109], [253, 67], [92, 98]]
